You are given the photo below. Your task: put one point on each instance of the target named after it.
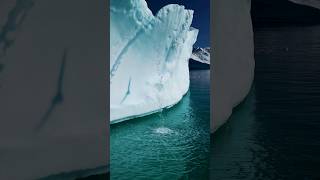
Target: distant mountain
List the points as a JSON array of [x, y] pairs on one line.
[[312, 3], [285, 12], [200, 58]]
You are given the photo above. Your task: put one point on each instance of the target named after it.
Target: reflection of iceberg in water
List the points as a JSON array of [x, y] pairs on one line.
[[148, 57], [232, 148]]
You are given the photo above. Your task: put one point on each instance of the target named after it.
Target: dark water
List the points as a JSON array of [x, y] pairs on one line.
[[173, 144], [275, 133]]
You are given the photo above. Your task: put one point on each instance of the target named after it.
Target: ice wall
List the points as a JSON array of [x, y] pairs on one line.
[[148, 57], [233, 57], [53, 96]]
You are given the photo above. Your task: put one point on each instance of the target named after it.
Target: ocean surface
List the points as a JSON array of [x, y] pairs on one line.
[[275, 132], [172, 144]]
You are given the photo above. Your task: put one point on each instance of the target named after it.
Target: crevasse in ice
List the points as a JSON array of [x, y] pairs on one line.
[[148, 57]]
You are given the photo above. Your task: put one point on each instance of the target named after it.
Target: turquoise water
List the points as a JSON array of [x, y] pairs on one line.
[[172, 144]]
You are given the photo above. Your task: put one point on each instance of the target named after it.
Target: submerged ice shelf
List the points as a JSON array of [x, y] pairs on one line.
[[148, 57]]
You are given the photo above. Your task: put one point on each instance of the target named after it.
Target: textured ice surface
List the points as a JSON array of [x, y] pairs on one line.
[[148, 57], [232, 57], [52, 87]]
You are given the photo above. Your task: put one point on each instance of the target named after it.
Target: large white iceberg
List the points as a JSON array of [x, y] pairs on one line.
[[233, 57], [148, 57], [52, 88]]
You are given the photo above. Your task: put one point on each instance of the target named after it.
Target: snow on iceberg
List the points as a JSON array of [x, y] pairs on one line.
[[148, 57]]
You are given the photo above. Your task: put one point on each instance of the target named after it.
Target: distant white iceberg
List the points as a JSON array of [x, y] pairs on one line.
[[148, 57]]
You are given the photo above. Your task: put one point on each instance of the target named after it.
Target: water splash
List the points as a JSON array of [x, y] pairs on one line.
[[163, 130]]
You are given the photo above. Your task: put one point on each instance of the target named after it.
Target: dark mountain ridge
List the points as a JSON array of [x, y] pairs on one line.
[[283, 13]]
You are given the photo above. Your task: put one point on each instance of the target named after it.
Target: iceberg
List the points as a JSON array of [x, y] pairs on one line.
[[233, 57], [53, 89], [149, 57], [234, 51]]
